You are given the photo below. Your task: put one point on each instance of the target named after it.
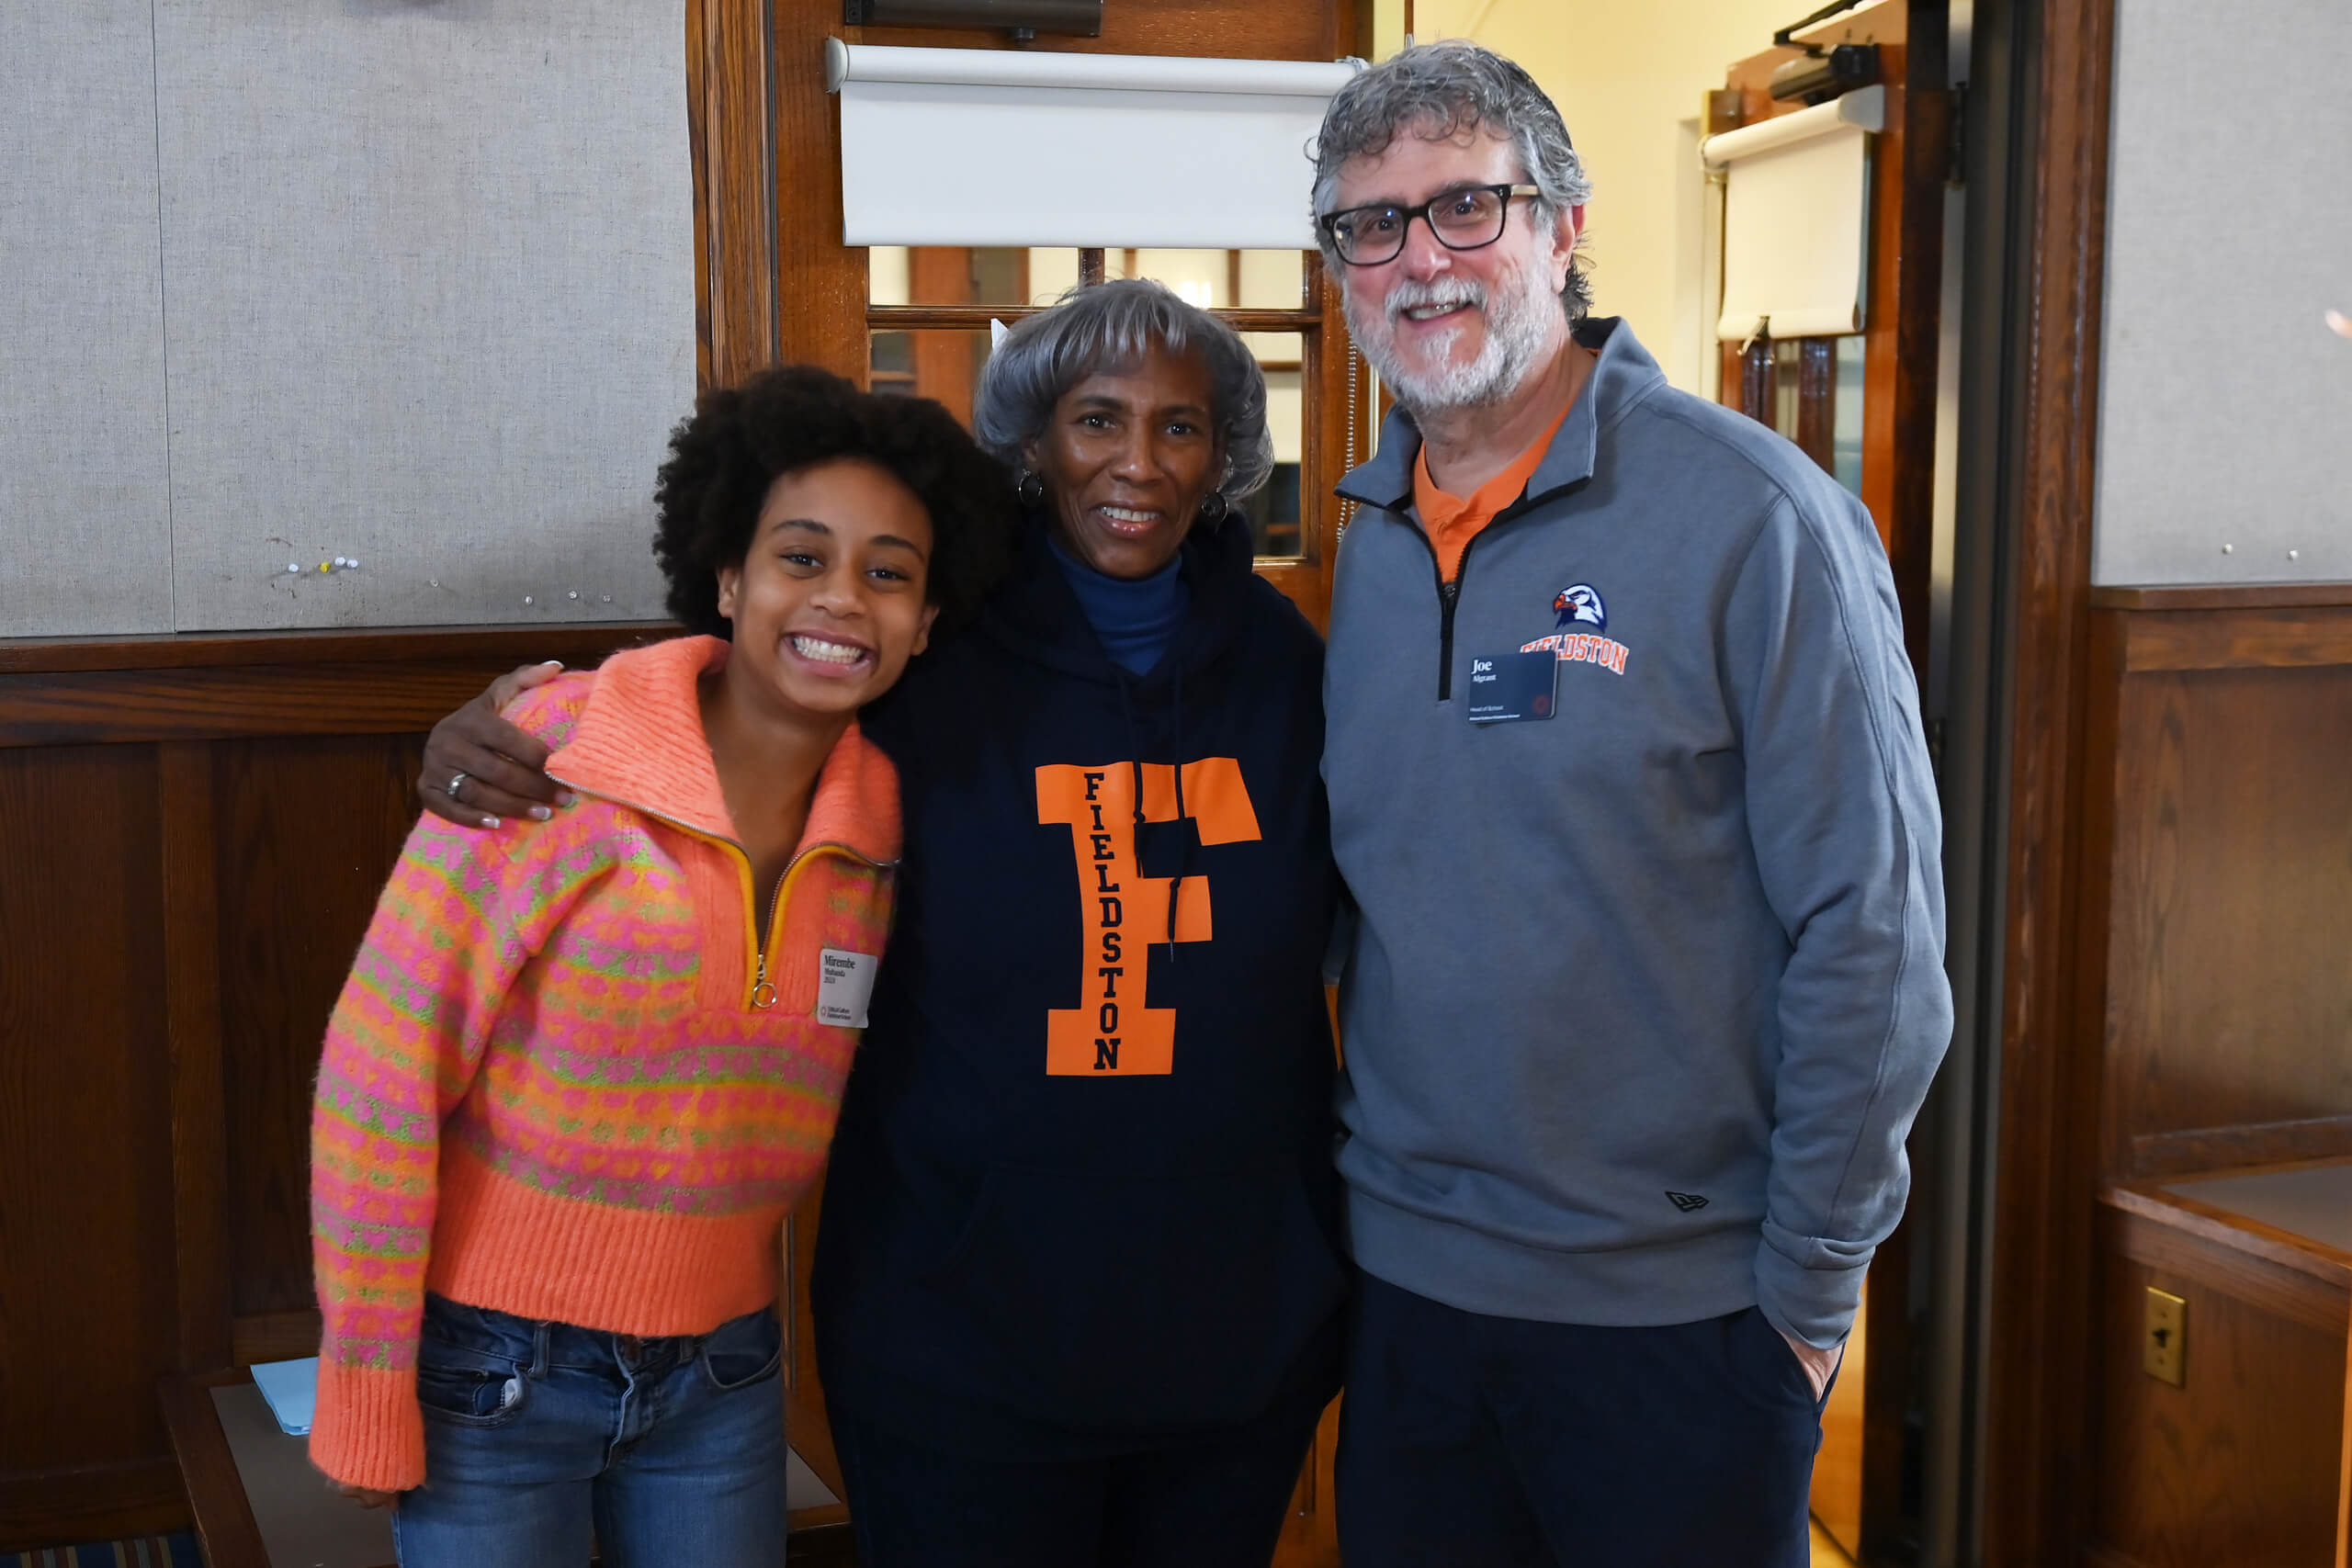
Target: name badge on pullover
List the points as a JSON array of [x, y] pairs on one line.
[[845, 980], [1507, 687]]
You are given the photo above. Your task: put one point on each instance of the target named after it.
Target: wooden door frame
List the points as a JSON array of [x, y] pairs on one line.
[[2035, 1374]]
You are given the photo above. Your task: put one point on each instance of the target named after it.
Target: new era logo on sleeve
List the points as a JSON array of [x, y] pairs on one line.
[[1689, 1202]]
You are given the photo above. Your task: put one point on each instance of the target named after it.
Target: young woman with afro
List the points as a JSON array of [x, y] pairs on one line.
[[582, 1067]]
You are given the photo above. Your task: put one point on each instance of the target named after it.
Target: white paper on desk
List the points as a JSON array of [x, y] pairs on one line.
[[293, 1390]]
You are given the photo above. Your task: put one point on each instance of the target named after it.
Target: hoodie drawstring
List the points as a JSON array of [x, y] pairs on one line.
[[1184, 864], [1135, 767], [1134, 761]]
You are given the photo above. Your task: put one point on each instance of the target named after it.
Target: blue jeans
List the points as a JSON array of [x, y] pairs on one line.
[[673, 1448]]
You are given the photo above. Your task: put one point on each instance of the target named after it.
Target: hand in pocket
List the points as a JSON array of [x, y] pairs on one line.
[[1820, 1366]]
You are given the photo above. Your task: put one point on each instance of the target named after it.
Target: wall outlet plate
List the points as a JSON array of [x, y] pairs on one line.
[[2164, 1336]]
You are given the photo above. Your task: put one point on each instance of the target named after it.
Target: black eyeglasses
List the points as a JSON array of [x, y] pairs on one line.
[[1464, 219]]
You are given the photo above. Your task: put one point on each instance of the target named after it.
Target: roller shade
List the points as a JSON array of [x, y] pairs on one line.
[[1796, 220], [998, 147]]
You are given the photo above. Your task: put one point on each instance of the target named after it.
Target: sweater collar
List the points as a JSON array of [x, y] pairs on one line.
[[639, 742], [1621, 377], [1134, 619]]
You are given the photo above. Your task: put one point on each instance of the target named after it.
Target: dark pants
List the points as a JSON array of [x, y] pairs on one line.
[[1468, 1442], [1215, 1501]]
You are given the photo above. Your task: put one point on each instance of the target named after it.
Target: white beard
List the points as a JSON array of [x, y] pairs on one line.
[[1521, 317]]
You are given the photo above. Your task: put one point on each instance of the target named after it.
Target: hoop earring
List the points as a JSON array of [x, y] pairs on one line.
[[1030, 489], [1214, 508]]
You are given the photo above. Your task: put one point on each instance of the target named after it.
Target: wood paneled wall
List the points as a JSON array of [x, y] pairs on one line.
[[193, 833], [2216, 950], [2206, 871], [2226, 719], [2238, 1466]]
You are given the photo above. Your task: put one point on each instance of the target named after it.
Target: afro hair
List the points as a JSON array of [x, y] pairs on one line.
[[741, 439]]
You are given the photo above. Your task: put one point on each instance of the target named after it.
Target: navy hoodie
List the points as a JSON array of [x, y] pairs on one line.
[[1081, 1199]]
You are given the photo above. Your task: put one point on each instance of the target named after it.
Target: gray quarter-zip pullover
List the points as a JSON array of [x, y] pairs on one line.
[[1644, 988]]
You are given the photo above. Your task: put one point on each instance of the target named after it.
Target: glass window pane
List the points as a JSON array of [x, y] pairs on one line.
[[1272, 280], [1273, 511], [1275, 350], [1200, 277], [997, 274], [1052, 274], [1825, 417], [892, 361], [885, 275], [953, 274], [1788, 372], [932, 362], [1846, 428]]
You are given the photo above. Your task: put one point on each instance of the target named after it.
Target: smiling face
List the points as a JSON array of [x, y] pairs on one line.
[[1127, 458], [829, 601], [1455, 328]]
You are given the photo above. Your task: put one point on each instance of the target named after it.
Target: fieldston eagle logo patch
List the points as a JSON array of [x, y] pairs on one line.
[[1580, 606], [1580, 601]]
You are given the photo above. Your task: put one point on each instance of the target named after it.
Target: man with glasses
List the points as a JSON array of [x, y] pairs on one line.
[[1645, 984]]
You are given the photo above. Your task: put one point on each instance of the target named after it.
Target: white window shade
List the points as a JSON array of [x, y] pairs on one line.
[[1796, 220], [994, 147]]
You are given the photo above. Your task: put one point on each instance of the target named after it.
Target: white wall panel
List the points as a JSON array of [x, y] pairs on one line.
[[429, 273], [84, 532], [2225, 401]]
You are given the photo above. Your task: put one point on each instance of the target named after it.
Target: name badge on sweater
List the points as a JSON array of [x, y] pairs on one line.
[[845, 980], [1509, 687]]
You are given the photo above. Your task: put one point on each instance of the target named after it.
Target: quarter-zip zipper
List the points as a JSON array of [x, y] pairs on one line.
[[800, 860], [759, 992], [1450, 593]]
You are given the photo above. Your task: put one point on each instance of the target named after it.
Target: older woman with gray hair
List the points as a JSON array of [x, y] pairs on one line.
[[1078, 1284]]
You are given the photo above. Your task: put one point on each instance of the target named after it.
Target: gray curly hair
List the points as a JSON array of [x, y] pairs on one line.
[[1441, 90], [1112, 326]]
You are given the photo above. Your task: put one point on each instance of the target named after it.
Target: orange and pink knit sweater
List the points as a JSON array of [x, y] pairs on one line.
[[559, 1081]]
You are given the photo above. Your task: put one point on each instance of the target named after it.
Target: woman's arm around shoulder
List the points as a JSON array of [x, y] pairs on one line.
[[498, 767]]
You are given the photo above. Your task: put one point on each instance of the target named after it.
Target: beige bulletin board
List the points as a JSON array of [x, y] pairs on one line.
[[85, 521], [422, 298], [2225, 401]]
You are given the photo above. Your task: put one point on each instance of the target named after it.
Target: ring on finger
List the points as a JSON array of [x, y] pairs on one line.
[[457, 783]]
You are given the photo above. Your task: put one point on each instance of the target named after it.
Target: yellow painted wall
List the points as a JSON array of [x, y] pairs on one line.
[[1624, 74]]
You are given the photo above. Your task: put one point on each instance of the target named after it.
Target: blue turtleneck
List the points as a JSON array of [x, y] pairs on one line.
[[1134, 619]]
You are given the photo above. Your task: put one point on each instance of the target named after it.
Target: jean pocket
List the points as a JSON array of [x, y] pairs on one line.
[[472, 1396], [743, 1351], [467, 1383]]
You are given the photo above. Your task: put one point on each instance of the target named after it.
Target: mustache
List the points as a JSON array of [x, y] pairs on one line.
[[1410, 295]]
